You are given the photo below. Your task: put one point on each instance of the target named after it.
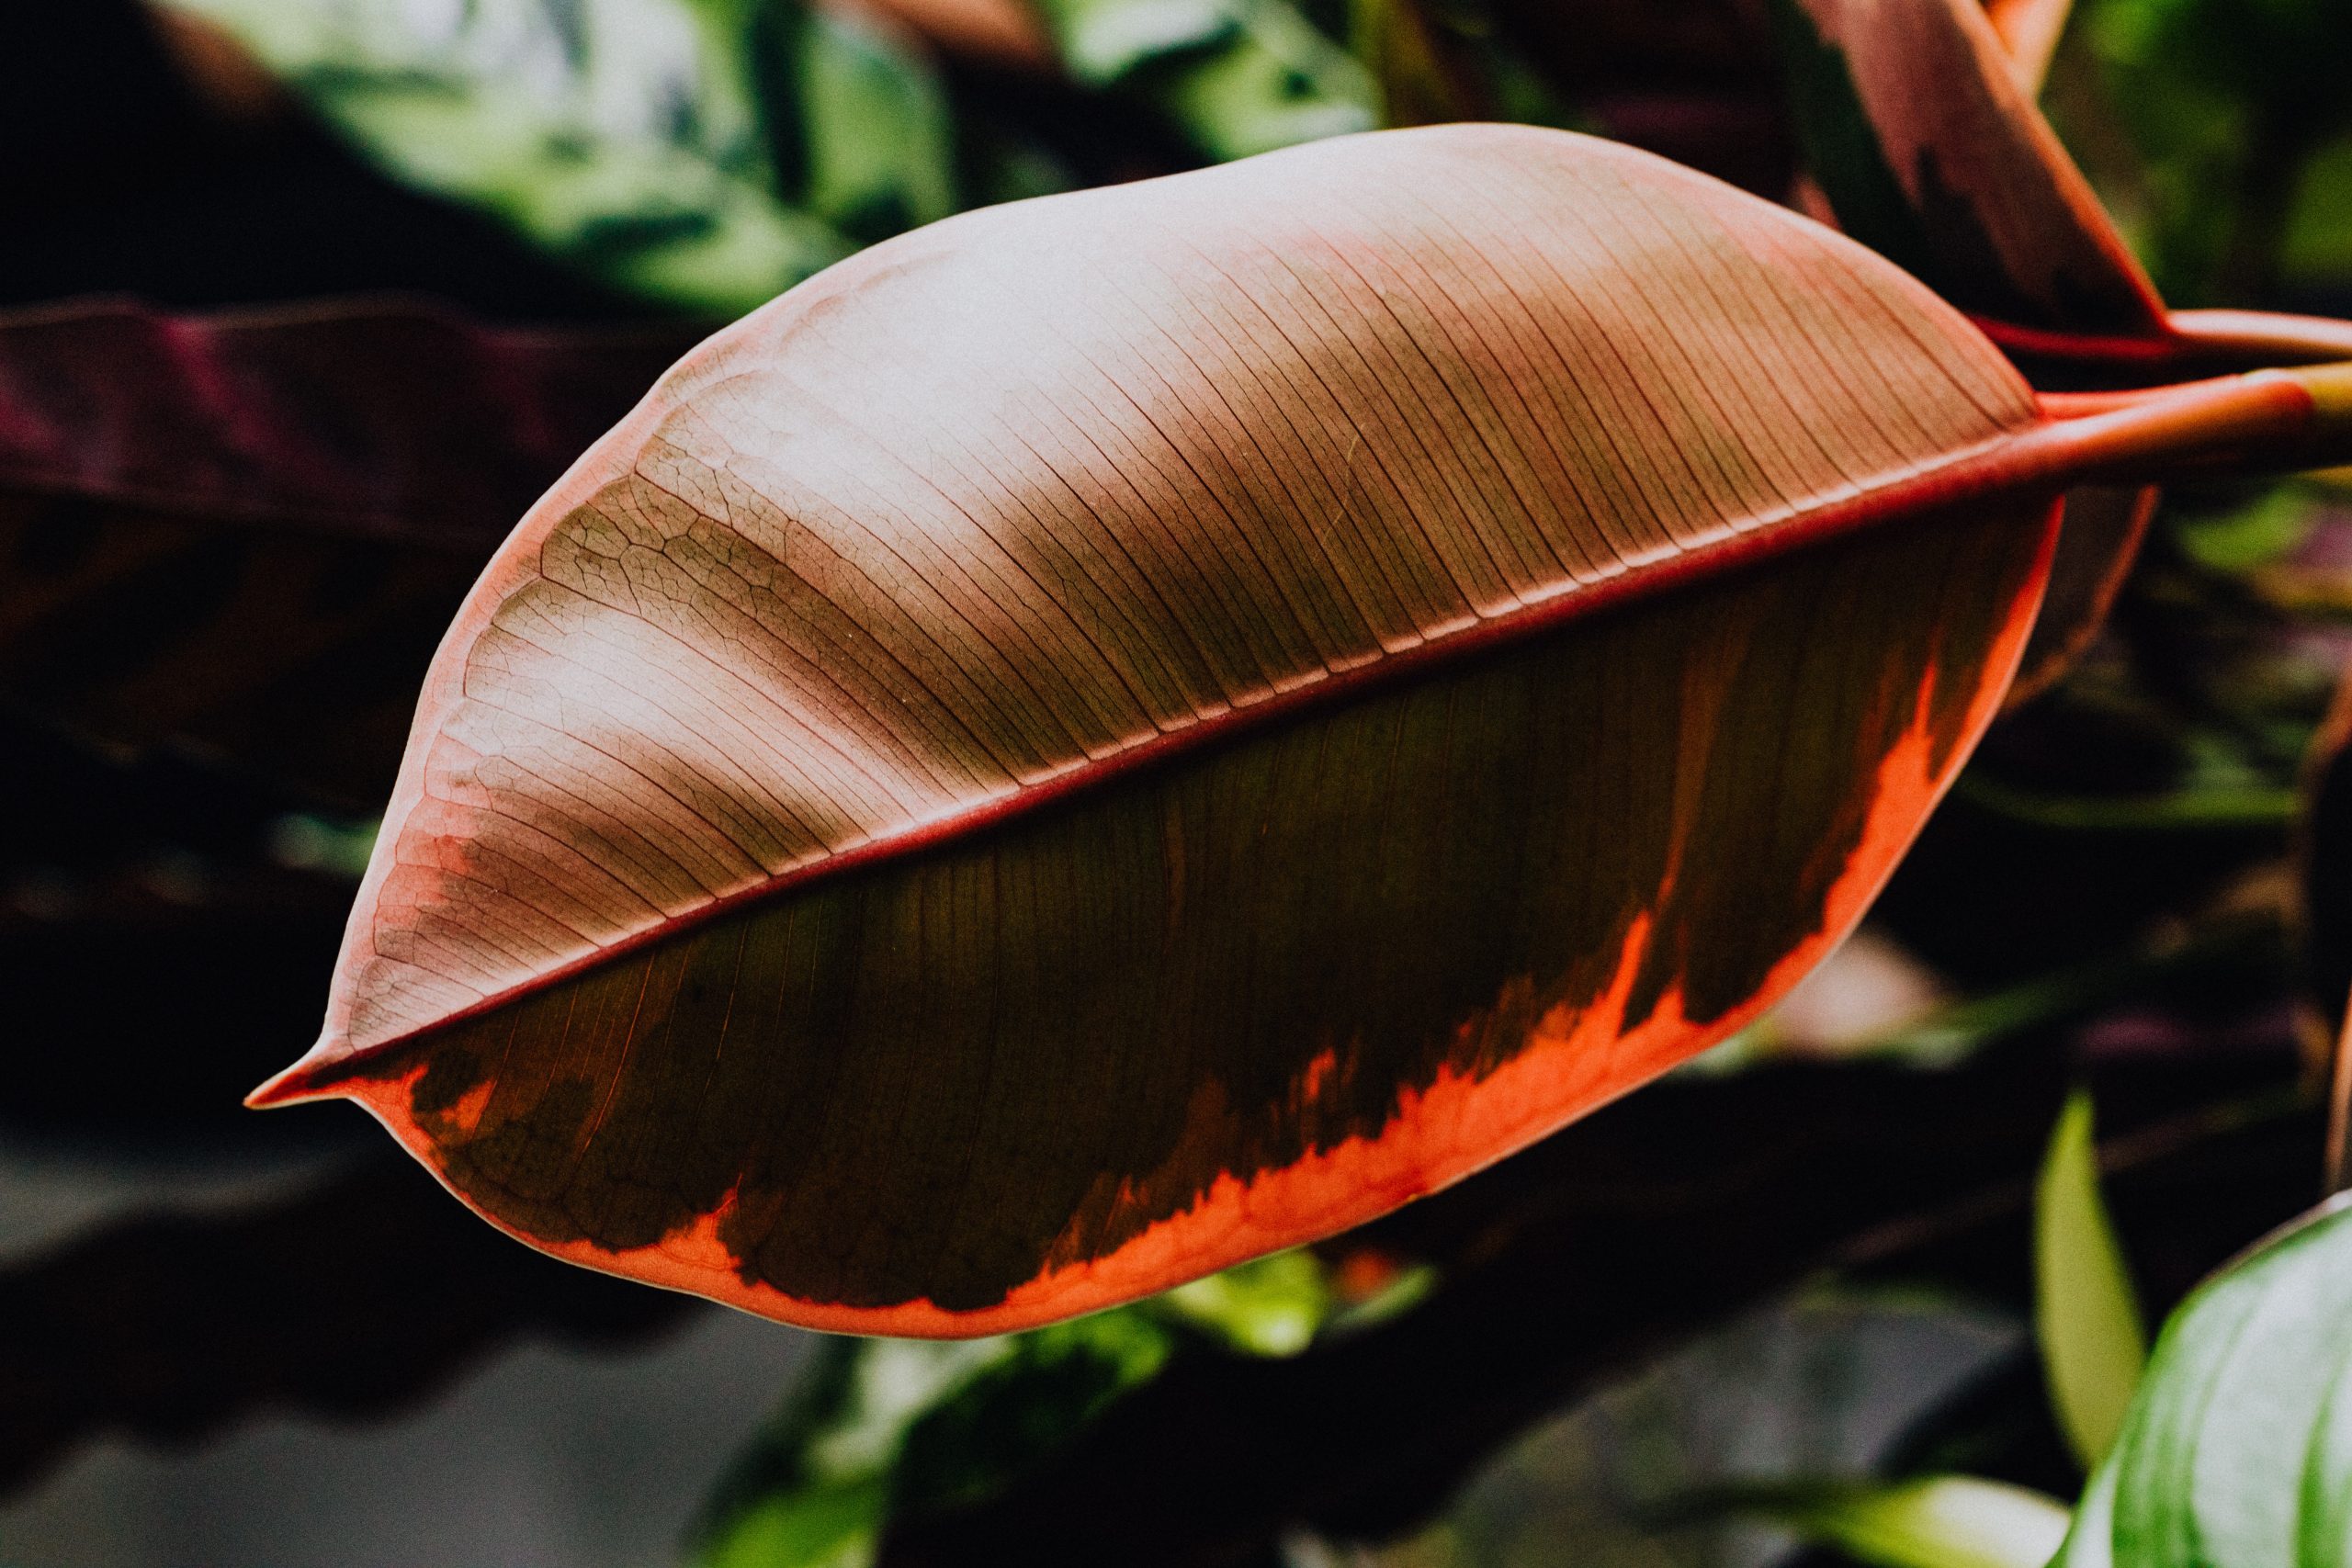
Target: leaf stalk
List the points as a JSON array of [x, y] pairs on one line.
[[2262, 422], [2211, 339]]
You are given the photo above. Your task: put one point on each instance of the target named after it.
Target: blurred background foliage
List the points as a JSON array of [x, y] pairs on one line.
[[706, 154], [2220, 136], [1809, 1256]]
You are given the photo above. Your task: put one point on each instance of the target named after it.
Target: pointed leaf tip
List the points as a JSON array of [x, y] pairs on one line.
[[295, 1085]]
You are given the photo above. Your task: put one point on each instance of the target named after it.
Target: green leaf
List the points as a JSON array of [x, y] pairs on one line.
[[886, 1428], [2227, 109], [2237, 1452], [1944, 1522], [2093, 1341], [1270, 1306], [707, 154], [2315, 250], [1235, 76], [879, 141], [815, 1489], [2264, 530]]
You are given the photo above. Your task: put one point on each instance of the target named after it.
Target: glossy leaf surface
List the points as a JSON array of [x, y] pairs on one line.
[[242, 535], [2237, 1452], [1123, 732]]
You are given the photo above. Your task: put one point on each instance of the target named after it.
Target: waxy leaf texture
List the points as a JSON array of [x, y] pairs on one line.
[[1123, 732]]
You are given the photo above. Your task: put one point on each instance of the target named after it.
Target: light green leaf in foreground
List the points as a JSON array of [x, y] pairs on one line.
[[1271, 1306], [1943, 1521], [2086, 1315]]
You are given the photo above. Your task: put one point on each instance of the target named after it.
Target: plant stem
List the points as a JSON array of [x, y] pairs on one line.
[[2263, 422], [2213, 340], [2263, 336]]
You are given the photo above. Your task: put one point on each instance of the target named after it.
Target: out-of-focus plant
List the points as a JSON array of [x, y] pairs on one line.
[[2231, 1450], [886, 1430], [1235, 76], [2239, 1450], [2243, 139], [1942, 1521], [2086, 1318], [708, 154]]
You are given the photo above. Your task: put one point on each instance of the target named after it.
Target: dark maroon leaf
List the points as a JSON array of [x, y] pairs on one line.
[[240, 535]]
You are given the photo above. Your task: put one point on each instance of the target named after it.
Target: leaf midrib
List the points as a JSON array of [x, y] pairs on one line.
[[2014, 460]]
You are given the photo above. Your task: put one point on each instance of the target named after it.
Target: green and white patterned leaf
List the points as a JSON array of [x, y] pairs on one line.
[[2237, 1452]]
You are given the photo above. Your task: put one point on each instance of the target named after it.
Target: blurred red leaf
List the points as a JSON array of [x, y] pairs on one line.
[[239, 536]]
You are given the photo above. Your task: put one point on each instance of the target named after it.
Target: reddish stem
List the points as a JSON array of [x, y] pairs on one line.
[[2082, 405], [2215, 338], [2266, 420], [2263, 336], [2083, 347]]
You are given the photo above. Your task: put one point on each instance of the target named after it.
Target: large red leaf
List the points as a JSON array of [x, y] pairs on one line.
[[1919, 125], [1921, 129], [1121, 732], [241, 535]]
